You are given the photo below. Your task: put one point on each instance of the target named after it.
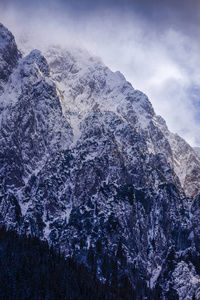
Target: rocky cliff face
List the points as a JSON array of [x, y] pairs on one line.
[[86, 163], [9, 56], [88, 85]]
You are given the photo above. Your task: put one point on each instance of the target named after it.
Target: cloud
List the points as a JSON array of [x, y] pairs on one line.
[[154, 44]]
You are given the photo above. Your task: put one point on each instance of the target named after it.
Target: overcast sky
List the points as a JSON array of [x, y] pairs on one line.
[[155, 44]]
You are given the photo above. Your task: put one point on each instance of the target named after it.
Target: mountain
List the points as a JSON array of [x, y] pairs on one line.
[[87, 164]]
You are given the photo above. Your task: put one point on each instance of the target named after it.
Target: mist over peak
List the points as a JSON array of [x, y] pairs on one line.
[[154, 44]]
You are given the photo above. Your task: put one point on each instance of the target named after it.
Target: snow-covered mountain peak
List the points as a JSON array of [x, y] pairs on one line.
[[36, 57], [6, 37], [31, 69], [87, 84], [9, 55]]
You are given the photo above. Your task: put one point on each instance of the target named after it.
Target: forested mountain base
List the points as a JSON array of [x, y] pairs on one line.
[[30, 269]]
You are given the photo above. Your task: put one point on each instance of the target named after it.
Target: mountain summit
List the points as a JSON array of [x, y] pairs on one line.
[[87, 164]]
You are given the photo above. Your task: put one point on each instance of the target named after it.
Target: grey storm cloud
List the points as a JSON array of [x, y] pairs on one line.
[[155, 44]]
